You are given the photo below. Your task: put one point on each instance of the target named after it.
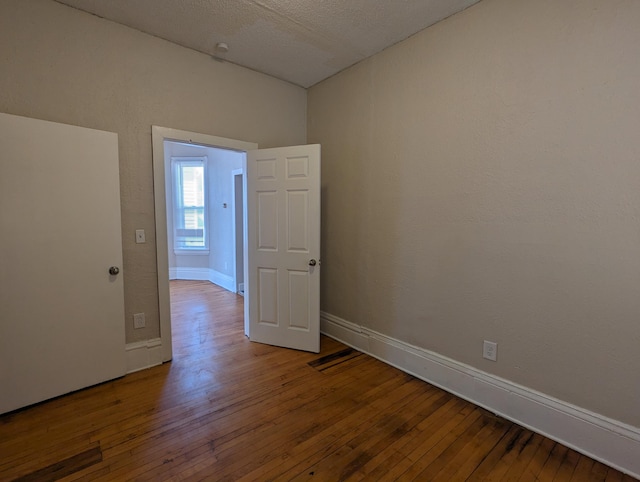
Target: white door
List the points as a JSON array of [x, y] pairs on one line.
[[61, 312], [283, 247]]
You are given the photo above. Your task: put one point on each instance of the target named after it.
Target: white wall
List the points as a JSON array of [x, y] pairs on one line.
[[480, 182], [63, 65], [218, 264], [221, 209]]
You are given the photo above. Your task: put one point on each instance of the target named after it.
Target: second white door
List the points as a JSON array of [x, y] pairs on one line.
[[283, 247], [61, 292]]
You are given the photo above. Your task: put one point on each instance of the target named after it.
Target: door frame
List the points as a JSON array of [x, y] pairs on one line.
[[238, 225], [240, 254], [158, 136]]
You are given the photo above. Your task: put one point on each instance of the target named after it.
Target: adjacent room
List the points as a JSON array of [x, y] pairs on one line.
[[480, 224]]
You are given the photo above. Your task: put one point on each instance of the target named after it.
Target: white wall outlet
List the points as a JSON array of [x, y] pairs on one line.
[[139, 321], [490, 350], [140, 236]]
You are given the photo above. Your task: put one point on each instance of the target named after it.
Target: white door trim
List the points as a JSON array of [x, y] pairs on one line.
[[239, 254], [234, 207], [158, 136]]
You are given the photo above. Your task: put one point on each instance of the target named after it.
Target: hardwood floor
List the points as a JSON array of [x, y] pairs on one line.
[[228, 409]]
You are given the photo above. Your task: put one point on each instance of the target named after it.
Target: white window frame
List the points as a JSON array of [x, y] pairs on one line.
[[176, 165]]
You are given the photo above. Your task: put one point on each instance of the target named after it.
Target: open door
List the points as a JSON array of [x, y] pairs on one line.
[[283, 247], [61, 290]]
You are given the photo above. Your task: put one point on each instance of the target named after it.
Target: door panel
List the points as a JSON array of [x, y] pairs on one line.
[[298, 221], [267, 222], [283, 233], [61, 312], [268, 296]]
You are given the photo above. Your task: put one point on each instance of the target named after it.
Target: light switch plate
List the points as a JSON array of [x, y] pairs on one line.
[[140, 236]]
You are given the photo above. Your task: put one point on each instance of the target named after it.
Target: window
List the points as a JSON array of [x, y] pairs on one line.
[[190, 211]]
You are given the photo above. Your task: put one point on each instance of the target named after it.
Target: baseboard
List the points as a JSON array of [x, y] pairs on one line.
[[196, 274], [203, 274], [143, 354], [609, 441], [223, 280]]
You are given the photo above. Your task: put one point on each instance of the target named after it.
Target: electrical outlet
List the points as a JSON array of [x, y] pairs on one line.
[[140, 236], [490, 350], [138, 320]]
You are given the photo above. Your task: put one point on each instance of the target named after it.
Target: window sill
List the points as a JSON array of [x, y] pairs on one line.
[[191, 252]]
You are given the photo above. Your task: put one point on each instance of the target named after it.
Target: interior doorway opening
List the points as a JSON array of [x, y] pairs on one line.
[[204, 228], [281, 201], [221, 260]]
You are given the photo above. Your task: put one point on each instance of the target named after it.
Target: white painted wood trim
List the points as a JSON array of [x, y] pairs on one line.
[[234, 231], [223, 280], [609, 441], [203, 274], [143, 354], [196, 274]]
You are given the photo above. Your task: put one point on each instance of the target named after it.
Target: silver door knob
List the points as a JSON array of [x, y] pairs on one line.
[[312, 262], [114, 270]]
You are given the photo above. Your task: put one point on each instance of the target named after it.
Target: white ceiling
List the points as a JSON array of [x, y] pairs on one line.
[[301, 41]]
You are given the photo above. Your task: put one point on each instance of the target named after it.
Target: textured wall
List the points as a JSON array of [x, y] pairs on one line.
[[480, 181], [59, 64]]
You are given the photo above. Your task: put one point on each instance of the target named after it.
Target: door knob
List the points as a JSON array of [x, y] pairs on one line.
[[114, 270], [312, 262]]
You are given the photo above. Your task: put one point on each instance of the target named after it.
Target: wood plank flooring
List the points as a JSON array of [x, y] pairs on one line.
[[227, 409]]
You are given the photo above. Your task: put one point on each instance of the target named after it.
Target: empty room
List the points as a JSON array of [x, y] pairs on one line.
[[416, 258]]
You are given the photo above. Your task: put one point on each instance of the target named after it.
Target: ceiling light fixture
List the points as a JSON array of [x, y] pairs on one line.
[[222, 48]]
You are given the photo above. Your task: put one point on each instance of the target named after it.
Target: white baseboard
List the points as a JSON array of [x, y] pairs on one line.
[[196, 274], [222, 280], [143, 354], [203, 274], [609, 441]]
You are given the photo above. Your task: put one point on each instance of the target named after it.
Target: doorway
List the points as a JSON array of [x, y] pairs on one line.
[[163, 137], [204, 229]]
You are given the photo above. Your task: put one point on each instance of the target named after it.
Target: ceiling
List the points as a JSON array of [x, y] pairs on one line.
[[300, 41]]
